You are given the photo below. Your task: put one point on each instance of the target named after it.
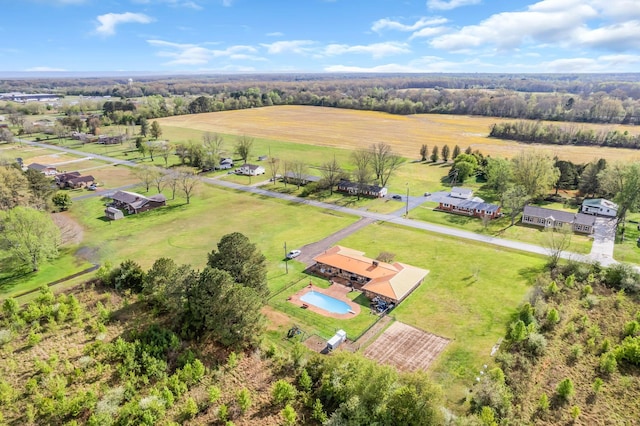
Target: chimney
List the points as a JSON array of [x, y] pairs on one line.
[[375, 263]]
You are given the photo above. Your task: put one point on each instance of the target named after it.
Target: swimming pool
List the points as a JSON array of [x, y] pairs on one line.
[[325, 302]]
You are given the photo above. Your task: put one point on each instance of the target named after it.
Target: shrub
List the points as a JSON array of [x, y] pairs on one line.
[[223, 413], [586, 290], [608, 363], [597, 385], [304, 381], [289, 414], [214, 394], [632, 328], [317, 412], [552, 289], [244, 399], [128, 276], [232, 360], [590, 301], [34, 338], [629, 350], [553, 317], [576, 352], [543, 404], [565, 389], [283, 392], [190, 409], [536, 344], [575, 412]]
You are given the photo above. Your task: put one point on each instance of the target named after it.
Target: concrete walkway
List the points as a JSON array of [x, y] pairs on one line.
[[604, 237]]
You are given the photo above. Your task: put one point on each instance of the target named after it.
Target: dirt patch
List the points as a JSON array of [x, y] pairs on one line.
[[72, 232], [406, 348]]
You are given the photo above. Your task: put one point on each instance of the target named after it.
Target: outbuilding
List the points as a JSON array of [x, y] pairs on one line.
[[336, 340]]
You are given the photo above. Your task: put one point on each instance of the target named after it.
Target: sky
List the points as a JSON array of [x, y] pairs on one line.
[[319, 36]]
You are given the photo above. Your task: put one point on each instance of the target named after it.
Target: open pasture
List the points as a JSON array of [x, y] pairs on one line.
[[187, 232], [352, 129]]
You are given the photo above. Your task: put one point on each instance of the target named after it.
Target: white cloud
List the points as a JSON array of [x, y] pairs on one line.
[[388, 24], [419, 65], [428, 32], [543, 22], [109, 21], [376, 50], [193, 54], [617, 37], [449, 4], [607, 63], [292, 46], [227, 3], [45, 69], [275, 34]]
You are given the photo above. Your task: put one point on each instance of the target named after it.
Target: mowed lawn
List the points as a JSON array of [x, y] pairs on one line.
[[17, 279], [469, 295], [187, 232], [350, 129], [500, 228]]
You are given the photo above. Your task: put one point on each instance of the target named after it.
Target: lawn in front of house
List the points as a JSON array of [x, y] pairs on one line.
[[468, 296], [500, 228]]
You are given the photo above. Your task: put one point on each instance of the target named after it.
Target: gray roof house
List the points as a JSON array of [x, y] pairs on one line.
[[136, 203], [547, 218]]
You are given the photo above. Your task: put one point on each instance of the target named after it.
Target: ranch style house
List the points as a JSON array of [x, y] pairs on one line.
[[135, 203], [461, 201], [352, 188], [548, 218], [389, 282]]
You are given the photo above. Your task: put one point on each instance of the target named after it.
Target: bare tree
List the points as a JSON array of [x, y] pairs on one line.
[[243, 147], [274, 166], [159, 178], [331, 173], [187, 181], [165, 151], [362, 173], [557, 241], [152, 147], [299, 169], [171, 180], [384, 162], [212, 144], [146, 174]]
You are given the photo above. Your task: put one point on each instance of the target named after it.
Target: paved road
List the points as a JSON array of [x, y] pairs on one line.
[[392, 218]]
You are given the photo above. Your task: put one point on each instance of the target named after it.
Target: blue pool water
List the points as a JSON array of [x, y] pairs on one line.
[[325, 302]]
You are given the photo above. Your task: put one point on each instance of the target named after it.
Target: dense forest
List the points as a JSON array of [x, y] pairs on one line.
[[597, 98]]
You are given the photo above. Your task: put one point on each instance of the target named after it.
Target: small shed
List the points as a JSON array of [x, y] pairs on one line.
[[113, 213], [263, 157], [336, 340]]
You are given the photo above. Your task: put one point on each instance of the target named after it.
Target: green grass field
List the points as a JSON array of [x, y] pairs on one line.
[[469, 295], [629, 249], [16, 279], [188, 232]]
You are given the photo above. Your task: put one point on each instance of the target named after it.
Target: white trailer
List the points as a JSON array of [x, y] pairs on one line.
[[337, 339]]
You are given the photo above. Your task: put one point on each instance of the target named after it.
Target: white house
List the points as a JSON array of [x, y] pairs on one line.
[[225, 164], [464, 193], [599, 207], [251, 170]]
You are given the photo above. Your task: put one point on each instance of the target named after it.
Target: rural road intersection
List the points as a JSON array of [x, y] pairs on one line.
[[602, 250]]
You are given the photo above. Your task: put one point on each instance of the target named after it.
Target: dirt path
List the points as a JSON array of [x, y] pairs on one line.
[[72, 232], [312, 250]]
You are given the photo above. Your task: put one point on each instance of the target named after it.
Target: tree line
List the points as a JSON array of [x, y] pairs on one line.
[[553, 134], [592, 99]]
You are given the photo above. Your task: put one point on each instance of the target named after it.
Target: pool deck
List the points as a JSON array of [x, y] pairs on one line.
[[336, 291]]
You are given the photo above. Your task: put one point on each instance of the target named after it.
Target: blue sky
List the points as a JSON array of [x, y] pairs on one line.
[[233, 36]]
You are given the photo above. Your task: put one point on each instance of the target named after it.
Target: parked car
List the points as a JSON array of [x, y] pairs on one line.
[[427, 194], [92, 187], [293, 253], [397, 197]]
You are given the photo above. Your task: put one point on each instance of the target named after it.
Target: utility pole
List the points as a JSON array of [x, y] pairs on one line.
[[286, 259], [407, 209]]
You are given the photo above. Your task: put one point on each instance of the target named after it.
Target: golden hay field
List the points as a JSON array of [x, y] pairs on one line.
[[343, 128]]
